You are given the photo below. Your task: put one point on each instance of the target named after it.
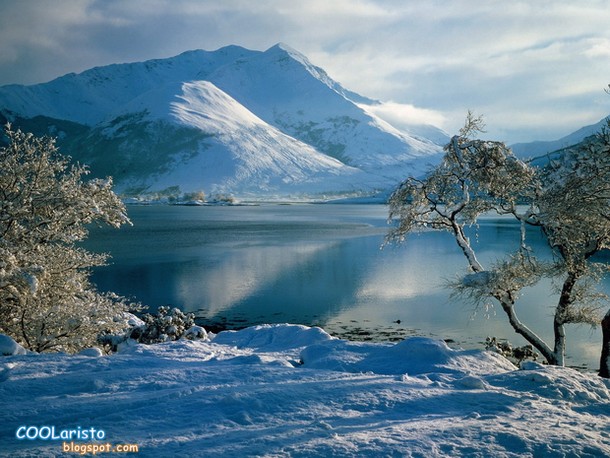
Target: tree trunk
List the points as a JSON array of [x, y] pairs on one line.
[[464, 245], [505, 300], [604, 370], [560, 319], [527, 333], [560, 343]]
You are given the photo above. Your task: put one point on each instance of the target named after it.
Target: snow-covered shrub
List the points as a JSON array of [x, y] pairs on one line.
[[515, 354], [165, 325], [47, 302], [195, 333]]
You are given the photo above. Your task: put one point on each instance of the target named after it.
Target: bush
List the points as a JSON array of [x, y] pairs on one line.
[[47, 302], [517, 354], [167, 324]]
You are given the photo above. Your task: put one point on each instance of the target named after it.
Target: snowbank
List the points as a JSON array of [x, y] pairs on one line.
[[413, 356], [286, 390], [9, 347]]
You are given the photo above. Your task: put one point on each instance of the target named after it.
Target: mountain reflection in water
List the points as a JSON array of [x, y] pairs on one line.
[[318, 265]]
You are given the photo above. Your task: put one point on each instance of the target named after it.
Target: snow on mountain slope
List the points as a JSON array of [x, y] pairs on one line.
[[266, 122], [533, 149], [265, 159], [230, 151], [286, 90], [90, 96]]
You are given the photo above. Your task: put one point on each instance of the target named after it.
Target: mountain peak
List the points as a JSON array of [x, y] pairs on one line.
[[286, 49], [230, 120], [283, 46], [282, 51]]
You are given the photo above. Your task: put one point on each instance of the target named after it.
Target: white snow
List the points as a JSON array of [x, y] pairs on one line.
[[268, 125], [283, 88], [92, 352], [287, 390], [90, 96], [243, 154], [9, 347]]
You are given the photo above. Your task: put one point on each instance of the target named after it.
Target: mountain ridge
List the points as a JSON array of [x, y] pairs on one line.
[[539, 148], [253, 123]]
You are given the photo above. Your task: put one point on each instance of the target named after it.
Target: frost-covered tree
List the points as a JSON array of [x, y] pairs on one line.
[[574, 213], [568, 200], [47, 302]]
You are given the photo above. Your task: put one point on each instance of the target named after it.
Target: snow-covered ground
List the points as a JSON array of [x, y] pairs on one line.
[[287, 390]]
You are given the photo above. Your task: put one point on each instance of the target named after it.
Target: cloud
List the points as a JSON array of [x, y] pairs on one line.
[[598, 48], [402, 115]]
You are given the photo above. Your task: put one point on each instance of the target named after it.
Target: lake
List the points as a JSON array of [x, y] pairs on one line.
[[322, 265]]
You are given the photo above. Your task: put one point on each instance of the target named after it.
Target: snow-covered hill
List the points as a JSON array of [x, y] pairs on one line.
[[539, 148], [233, 121], [195, 136]]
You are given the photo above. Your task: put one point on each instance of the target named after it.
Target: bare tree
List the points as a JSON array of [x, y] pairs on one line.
[[567, 200], [46, 299]]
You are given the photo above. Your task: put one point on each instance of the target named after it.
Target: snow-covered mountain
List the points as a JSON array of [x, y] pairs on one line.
[[539, 148], [233, 121]]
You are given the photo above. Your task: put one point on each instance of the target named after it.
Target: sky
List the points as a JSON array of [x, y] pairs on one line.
[[535, 70]]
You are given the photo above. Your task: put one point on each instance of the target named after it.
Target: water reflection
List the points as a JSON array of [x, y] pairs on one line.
[[241, 275], [320, 265]]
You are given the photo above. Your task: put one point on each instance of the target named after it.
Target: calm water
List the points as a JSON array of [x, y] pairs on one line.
[[316, 265]]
